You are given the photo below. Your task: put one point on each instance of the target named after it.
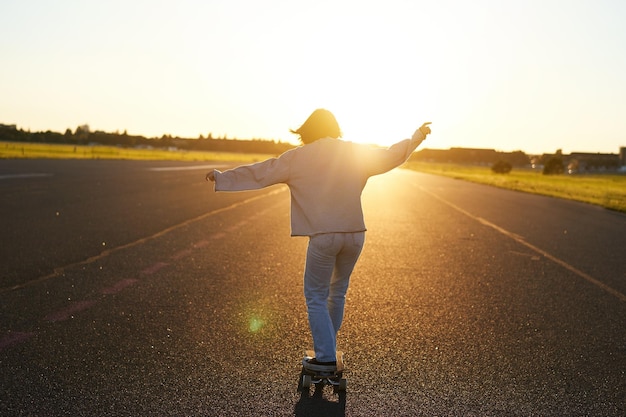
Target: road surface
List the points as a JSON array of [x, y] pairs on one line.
[[131, 289]]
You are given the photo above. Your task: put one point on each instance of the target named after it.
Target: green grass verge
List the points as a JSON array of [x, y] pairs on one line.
[[12, 150], [608, 191]]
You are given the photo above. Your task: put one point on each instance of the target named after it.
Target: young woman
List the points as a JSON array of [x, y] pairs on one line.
[[325, 177]]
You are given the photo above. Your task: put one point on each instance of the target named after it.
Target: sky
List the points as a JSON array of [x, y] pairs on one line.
[[530, 75]]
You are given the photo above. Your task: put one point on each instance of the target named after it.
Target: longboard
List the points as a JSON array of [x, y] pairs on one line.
[[334, 378]]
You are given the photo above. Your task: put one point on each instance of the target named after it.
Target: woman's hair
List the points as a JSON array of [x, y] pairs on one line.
[[320, 124]]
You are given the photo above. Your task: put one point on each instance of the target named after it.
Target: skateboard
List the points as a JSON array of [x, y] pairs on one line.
[[334, 378]]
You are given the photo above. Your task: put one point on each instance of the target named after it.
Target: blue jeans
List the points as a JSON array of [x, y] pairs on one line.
[[330, 259]]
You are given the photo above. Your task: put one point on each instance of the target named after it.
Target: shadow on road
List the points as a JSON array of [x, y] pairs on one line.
[[316, 405], [319, 405]]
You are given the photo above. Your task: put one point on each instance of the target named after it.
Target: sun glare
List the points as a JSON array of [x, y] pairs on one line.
[[378, 97]]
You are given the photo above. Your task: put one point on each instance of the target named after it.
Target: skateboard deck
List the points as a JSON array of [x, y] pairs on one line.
[[334, 378]]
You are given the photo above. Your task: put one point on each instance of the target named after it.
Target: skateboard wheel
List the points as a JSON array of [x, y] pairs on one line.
[[343, 384], [306, 381]]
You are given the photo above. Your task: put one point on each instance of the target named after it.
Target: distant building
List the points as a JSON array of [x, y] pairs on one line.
[[586, 162], [471, 156], [591, 162], [9, 133], [575, 162]]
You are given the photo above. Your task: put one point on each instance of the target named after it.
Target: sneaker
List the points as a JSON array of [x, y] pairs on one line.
[[313, 364]]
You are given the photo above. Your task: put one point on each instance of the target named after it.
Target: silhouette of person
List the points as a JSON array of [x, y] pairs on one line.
[[325, 176]]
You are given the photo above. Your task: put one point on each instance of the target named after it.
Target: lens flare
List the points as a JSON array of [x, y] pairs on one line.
[[255, 324]]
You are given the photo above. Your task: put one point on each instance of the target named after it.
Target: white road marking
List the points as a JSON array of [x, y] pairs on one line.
[[521, 240], [28, 175], [186, 168], [59, 270]]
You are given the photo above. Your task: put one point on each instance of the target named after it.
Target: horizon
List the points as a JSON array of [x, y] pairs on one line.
[[538, 75], [276, 140]]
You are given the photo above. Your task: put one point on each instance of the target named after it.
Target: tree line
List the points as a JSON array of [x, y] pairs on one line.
[[501, 162], [82, 135]]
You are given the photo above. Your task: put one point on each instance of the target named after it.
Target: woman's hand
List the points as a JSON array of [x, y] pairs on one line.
[[210, 176], [424, 130]]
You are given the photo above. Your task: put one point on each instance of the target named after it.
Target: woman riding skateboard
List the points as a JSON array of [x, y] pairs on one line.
[[325, 176]]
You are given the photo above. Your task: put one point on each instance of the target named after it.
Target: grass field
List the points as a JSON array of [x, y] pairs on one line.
[[608, 191], [53, 151], [604, 190]]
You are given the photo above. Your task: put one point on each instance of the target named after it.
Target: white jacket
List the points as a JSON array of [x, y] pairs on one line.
[[325, 179]]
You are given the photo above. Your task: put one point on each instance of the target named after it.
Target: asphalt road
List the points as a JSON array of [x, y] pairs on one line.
[[128, 289]]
